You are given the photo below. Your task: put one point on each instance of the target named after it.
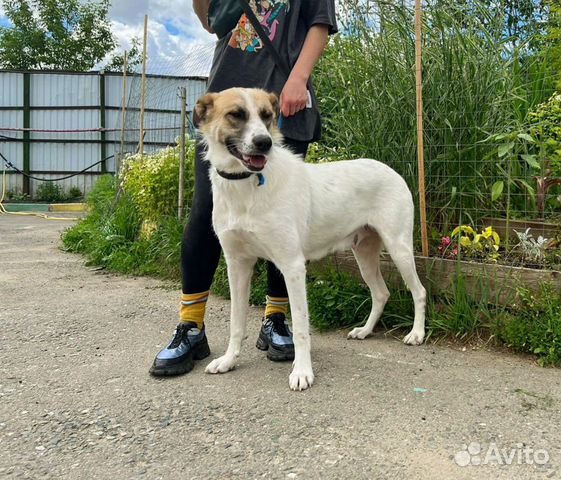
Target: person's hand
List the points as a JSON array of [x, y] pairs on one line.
[[294, 97]]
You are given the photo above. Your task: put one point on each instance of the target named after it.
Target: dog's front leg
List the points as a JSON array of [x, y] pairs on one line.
[[302, 376], [239, 277]]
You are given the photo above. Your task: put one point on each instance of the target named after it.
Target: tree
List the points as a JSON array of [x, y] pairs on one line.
[[134, 59], [551, 44], [55, 34]]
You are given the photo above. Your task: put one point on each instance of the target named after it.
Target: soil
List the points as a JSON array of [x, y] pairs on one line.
[[76, 400]]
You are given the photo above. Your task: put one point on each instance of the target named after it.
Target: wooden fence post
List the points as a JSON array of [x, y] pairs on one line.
[[420, 127], [143, 86], [181, 195], [119, 158]]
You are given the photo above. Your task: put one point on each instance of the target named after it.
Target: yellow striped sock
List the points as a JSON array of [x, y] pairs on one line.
[[276, 305], [193, 306]]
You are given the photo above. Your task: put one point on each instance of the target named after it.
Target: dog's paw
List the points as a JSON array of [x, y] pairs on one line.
[[221, 365], [359, 333], [414, 338], [301, 379]]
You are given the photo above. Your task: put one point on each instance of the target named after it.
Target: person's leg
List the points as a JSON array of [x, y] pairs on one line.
[[275, 336], [200, 253], [200, 248]]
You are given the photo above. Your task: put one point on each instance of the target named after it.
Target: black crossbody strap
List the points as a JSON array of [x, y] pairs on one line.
[[280, 61]]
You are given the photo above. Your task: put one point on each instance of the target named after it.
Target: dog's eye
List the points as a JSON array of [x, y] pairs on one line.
[[237, 114], [266, 115]]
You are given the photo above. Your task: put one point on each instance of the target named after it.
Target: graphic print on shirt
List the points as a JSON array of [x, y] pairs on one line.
[[268, 13]]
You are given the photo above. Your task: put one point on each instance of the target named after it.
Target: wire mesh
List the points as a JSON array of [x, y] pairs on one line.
[[492, 154], [488, 94]]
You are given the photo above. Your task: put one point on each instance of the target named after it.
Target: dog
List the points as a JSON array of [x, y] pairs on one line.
[[269, 204]]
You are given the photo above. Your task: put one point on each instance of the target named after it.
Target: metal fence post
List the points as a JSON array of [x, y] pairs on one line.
[[26, 132], [102, 121]]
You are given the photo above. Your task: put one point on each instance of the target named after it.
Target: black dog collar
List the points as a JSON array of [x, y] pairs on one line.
[[241, 176], [234, 176]]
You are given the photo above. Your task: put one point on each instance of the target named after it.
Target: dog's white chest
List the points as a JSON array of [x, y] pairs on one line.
[[238, 227]]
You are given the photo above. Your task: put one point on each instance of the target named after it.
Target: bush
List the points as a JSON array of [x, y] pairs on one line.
[[153, 181], [49, 192], [110, 235], [16, 196], [546, 128], [337, 300], [533, 325], [74, 193]]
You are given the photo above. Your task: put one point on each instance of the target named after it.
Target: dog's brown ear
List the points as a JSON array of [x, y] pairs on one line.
[[275, 104], [203, 109]]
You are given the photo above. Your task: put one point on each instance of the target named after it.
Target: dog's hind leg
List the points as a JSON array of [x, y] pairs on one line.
[[400, 248], [367, 254], [294, 272], [239, 277]]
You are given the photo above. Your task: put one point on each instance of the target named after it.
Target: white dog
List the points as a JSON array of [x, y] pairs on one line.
[[269, 204]]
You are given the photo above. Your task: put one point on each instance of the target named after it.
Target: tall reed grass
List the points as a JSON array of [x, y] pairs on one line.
[[477, 83]]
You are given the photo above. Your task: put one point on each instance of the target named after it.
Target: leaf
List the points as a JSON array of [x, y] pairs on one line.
[[531, 160], [505, 148], [497, 190], [454, 193], [525, 136]]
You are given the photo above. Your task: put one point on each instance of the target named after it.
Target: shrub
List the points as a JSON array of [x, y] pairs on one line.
[[111, 235], [534, 325], [49, 192], [336, 300], [16, 196], [74, 193], [153, 181], [546, 128], [111, 227]]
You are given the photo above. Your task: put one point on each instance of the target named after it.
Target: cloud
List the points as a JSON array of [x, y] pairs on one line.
[[178, 44]]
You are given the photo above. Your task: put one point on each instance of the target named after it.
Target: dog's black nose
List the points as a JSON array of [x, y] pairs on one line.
[[263, 143]]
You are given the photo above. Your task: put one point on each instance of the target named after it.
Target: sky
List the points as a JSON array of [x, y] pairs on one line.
[[177, 43]]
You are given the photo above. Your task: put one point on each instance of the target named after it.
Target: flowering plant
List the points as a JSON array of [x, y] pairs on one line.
[[476, 245]]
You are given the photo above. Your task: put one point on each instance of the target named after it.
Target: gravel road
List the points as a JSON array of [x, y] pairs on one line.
[[76, 400]]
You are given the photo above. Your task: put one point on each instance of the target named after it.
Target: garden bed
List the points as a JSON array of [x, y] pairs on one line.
[[498, 283], [537, 227]]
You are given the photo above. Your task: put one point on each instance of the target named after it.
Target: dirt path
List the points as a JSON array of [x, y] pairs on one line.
[[76, 400]]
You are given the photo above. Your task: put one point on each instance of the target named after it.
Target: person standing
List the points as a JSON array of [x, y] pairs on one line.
[[299, 30]]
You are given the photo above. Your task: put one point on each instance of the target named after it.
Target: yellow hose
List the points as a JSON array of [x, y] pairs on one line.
[[23, 214]]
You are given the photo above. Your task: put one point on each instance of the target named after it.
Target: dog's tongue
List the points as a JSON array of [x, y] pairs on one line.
[[255, 161]]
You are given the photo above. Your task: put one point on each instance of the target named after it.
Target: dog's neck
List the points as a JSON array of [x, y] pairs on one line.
[[242, 176]]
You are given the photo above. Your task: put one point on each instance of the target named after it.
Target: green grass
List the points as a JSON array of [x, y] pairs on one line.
[[110, 236]]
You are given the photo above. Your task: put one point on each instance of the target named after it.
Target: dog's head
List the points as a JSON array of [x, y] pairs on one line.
[[241, 124]]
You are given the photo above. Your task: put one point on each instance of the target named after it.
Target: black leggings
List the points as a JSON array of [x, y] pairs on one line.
[[200, 249]]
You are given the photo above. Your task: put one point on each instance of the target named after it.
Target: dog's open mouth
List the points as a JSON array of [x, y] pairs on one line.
[[255, 163]]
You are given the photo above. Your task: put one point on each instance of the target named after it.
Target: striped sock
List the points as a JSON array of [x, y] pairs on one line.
[[193, 307], [276, 305]]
